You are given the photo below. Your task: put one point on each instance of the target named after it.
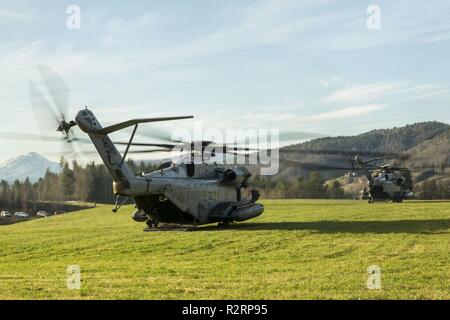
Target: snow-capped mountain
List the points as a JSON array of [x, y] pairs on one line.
[[31, 165]]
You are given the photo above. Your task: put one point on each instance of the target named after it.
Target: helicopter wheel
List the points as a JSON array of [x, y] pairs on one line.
[[152, 223]]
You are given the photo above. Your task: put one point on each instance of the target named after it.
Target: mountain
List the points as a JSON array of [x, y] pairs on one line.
[[432, 152], [382, 140], [31, 165]]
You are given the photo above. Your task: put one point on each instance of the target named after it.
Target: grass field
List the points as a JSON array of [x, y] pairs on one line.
[[298, 249]]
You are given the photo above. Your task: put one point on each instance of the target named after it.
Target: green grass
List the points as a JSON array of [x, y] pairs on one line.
[[298, 249]]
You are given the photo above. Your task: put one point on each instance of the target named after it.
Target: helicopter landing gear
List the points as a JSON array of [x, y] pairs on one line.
[[118, 205], [370, 200], [152, 223]]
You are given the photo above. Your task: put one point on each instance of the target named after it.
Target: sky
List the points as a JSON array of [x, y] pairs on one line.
[[313, 66]]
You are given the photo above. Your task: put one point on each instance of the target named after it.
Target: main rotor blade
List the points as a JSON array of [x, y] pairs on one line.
[[159, 134], [317, 167], [380, 158], [46, 138], [31, 137], [140, 144], [37, 137], [347, 153], [391, 168], [149, 151]]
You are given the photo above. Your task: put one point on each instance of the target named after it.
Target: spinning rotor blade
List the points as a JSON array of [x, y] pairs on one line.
[[316, 166], [30, 137], [139, 144], [58, 90], [43, 138], [348, 153], [237, 145], [323, 167], [46, 138], [389, 168], [379, 158], [149, 151]]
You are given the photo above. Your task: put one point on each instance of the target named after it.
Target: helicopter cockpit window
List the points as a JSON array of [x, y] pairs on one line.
[[84, 113]]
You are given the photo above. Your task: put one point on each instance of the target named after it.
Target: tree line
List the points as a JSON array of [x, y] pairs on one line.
[[91, 183], [434, 190], [312, 187]]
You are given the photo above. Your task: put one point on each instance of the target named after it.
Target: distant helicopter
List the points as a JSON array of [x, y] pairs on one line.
[[384, 182]]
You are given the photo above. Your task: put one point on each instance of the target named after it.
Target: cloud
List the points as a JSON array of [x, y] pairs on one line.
[[347, 112], [7, 15], [361, 93], [377, 92]]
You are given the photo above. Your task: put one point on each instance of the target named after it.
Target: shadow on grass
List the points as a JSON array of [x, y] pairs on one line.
[[427, 201], [329, 226]]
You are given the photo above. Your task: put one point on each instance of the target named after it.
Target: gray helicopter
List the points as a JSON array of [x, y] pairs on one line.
[[182, 194], [384, 182]]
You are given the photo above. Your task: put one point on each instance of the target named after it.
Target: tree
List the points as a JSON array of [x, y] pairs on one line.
[[67, 178]]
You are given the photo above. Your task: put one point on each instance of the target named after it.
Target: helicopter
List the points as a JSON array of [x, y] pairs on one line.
[[384, 182], [182, 194]]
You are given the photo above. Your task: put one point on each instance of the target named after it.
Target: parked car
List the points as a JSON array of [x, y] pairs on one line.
[[42, 214], [21, 215], [6, 214]]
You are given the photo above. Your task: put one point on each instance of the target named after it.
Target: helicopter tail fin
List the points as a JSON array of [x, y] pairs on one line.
[[106, 149], [112, 159]]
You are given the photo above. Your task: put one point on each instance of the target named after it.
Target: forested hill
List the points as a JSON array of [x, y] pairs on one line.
[[382, 140]]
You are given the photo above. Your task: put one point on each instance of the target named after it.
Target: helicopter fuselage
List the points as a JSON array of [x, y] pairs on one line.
[[179, 193], [385, 186]]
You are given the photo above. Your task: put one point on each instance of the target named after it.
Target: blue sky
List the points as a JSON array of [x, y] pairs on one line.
[[305, 65]]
